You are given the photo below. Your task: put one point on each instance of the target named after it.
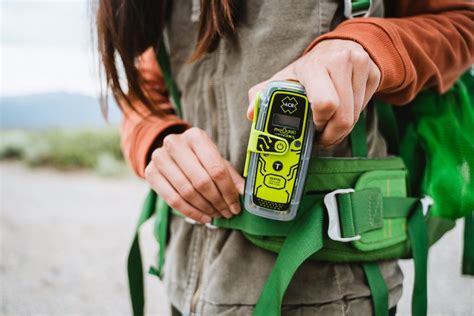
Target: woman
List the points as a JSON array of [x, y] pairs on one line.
[[222, 53]]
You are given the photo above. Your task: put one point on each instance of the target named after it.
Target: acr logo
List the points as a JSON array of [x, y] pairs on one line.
[[288, 105]]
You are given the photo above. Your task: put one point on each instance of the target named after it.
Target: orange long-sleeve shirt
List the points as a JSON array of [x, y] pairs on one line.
[[428, 43]]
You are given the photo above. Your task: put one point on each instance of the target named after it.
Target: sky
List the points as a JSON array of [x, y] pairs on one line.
[[46, 46]]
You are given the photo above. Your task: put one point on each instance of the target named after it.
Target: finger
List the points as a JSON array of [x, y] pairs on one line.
[[343, 120], [360, 75], [286, 73], [192, 168], [238, 180], [166, 191], [216, 167], [373, 82], [321, 94], [171, 172], [252, 93]]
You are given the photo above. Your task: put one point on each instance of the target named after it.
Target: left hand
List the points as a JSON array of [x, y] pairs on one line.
[[339, 78]]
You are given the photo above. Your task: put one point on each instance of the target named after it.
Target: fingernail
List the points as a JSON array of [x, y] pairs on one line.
[[235, 208], [226, 214], [206, 219], [250, 113]]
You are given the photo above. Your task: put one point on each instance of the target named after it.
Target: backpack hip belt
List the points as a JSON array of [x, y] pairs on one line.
[[370, 219]]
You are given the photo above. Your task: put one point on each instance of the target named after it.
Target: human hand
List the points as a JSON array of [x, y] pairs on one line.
[[339, 78], [189, 173]]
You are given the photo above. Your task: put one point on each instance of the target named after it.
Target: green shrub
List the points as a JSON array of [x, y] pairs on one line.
[[95, 149], [13, 144]]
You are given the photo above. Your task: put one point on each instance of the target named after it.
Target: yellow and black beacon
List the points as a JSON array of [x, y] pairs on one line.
[[278, 152]]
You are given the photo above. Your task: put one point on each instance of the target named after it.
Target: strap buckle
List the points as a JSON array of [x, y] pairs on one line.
[[193, 222], [357, 8], [334, 229], [426, 202]]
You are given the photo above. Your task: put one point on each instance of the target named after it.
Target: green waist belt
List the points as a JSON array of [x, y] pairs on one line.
[[353, 210]]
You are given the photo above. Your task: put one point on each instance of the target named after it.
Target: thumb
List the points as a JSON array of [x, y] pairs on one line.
[[252, 97], [287, 73]]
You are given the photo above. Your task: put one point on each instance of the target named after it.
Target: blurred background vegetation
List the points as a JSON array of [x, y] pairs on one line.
[[95, 149]]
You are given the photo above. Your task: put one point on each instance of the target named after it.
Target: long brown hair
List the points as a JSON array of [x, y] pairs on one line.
[[129, 27]]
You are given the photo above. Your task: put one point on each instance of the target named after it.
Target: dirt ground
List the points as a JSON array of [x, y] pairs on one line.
[[65, 237]]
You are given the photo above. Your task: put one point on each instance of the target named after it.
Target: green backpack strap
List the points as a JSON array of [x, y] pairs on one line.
[[134, 263], [358, 138], [389, 128], [418, 236], [163, 211], [468, 256], [378, 288], [152, 203], [304, 239]]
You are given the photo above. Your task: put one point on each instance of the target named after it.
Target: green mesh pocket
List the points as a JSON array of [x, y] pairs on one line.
[[444, 127]]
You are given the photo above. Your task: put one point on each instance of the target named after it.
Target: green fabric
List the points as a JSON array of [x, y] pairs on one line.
[[433, 122], [360, 212], [448, 124], [391, 182], [468, 256], [161, 233], [393, 233], [338, 252], [327, 174], [419, 246], [378, 288], [388, 127], [134, 266], [304, 239], [255, 225], [437, 227], [359, 5], [358, 138]]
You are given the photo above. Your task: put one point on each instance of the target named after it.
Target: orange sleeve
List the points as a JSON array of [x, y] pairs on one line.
[[429, 43], [141, 130]]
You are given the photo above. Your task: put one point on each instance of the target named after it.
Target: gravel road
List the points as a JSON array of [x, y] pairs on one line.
[[65, 237]]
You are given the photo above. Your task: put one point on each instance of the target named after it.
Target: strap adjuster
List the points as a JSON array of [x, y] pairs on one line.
[[193, 222], [334, 229], [357, 8], [426, 203]]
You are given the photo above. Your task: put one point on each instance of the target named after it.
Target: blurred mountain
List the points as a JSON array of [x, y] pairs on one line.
[[54, 110]]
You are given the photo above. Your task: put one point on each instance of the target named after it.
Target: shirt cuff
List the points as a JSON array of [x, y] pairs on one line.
[[148, 138]]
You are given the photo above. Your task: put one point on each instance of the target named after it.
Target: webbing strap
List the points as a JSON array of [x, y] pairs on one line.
[[304, 239], [360, 211], [165, 67], [378, 288], [388, 126], [357, 8], [351, 214], [161, 234], [468, 255], [358, 138], [134, 262], [364, 210], [417, 233]]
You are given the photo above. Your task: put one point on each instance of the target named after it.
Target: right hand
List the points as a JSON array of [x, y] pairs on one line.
[[189, 173]]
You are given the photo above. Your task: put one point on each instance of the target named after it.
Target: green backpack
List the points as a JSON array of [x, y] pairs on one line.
[[372, 209]]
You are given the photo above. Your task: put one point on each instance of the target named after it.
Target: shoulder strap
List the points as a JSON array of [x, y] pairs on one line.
[[134, 262], [358, 138]]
